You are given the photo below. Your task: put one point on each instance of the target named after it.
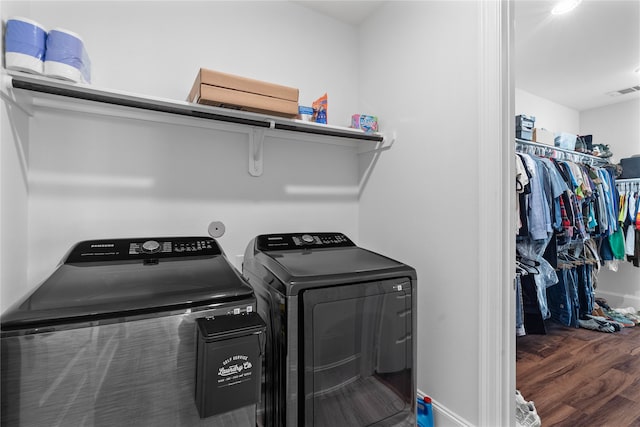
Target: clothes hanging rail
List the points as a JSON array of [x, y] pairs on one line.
[[543, 150], [628, 184]]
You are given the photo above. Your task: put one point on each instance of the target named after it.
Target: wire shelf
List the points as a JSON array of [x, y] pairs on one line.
[[543, 150]]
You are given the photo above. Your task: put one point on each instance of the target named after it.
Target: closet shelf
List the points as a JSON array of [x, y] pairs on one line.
[[28, 91], [560, 153]]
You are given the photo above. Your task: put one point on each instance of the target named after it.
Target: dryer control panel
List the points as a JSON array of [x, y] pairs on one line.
[[142, 248], [289, 241]]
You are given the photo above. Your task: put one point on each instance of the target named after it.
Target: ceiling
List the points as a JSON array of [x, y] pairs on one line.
[[349, 11], [577, 60]]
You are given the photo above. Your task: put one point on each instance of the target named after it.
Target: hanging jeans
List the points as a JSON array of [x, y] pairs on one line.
[[586, 294], [519, 308], [533, 319], [563, 299]]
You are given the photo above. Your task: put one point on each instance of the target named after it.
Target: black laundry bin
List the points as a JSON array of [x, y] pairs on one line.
[[229, 362]]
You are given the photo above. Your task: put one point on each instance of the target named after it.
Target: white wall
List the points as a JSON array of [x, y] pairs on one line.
[[14, 145], [103, 178], [13, 204], [94, 176], [156, 48], [419, 70], [549, 115], [618, 126]]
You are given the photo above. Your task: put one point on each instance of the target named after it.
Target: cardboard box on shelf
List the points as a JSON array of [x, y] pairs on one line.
[[238, 100], [241, 93], [543, 136]]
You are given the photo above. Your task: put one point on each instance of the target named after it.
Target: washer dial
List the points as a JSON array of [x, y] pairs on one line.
[[150, 246]]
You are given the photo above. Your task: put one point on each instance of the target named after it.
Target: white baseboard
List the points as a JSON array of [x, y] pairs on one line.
[[616, 300]]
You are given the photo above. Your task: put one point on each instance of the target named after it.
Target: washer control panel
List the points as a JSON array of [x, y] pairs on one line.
[[289, 241], [143, 248]]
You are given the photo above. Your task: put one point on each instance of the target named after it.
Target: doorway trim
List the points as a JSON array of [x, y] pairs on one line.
[[496, 215]]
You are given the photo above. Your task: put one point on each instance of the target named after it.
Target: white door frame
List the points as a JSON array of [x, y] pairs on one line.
[[496, 215]]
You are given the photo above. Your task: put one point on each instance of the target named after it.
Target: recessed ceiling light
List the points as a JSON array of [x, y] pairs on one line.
[[565, 6]]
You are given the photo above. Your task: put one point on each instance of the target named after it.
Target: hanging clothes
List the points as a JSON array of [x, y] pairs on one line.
[[571, 220], [629, 218]]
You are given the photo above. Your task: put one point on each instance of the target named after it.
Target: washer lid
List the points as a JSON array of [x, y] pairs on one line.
[[308, 260], [335, 261], [117, 285]]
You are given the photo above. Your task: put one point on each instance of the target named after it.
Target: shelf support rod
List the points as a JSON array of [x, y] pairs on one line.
[[386, 143]]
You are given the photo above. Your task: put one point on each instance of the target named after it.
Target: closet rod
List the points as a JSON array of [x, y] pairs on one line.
[[628, 184], [584, 158]]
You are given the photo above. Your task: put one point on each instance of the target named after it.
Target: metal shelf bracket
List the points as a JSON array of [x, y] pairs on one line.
[[256, 149], [386, 143], [8, 94]]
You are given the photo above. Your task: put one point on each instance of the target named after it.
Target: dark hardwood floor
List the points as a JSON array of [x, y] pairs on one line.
[[580, 377]]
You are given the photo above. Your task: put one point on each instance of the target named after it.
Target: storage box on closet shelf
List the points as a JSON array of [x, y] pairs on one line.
[[565, 140], [630, 167], [58, 53], [544, 136], [524, 127], [561, 145], [582, 144]]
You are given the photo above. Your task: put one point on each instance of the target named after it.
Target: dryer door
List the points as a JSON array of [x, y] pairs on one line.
[[357, 355]]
